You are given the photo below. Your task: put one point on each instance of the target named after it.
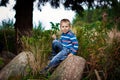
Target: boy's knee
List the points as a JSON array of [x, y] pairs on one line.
[[55, 41]]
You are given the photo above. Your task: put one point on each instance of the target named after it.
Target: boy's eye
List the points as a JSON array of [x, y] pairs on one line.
[[64, 26]]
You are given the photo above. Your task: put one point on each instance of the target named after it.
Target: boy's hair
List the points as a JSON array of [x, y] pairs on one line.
[[65, 20]]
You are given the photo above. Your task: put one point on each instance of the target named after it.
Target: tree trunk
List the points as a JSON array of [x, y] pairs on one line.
[[70, 69], [23, 24], [17, 66]]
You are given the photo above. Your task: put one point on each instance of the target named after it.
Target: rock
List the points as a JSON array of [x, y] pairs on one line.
[[70, 69], [17, 65]]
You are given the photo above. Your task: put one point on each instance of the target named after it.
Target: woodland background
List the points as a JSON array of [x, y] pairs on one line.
[[97, 30]]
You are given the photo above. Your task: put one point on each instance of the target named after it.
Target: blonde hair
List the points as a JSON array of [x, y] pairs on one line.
[[65, 20]]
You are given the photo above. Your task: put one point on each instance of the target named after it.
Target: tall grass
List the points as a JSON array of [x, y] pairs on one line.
[[101, 48], [40, 45], [7, 35], [113, 55]]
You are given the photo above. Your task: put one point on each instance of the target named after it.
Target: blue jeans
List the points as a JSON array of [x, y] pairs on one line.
[[59, 52]]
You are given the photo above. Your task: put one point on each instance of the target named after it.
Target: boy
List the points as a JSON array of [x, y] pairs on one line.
[[66, 46]]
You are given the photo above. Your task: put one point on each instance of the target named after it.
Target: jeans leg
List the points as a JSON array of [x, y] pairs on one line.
[[56, 47], [58, 58]]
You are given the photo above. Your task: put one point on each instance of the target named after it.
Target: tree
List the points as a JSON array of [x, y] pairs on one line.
[[23, 25], [24, 9]]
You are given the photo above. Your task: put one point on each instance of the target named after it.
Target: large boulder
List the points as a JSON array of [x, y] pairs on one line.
[[17, 66], [70, 69]]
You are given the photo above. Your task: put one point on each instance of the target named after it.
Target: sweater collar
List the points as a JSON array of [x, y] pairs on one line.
[[66, 32]]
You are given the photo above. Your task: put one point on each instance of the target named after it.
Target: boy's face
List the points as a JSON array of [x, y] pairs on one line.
[[65, 27]]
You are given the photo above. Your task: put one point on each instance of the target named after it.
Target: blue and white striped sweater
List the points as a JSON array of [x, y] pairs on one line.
[[69, 41]]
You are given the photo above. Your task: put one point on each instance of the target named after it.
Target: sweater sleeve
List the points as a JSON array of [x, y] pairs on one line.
[[60, 39], [74, 40]]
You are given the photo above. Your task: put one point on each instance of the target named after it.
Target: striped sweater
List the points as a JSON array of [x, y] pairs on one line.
[[69, 41]]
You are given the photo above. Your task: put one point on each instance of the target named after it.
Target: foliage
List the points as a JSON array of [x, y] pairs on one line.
[[1, 62], [7, 35], [7, 24], [39, 44], [55, 27], [113, 53], [75, 5], [99, 45]]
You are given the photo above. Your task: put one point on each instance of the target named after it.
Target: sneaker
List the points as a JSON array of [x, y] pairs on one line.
[[50, 57], [43, 72]]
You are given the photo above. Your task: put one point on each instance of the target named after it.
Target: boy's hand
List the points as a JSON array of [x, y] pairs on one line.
[[54, 36], [70, 55]]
